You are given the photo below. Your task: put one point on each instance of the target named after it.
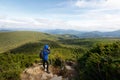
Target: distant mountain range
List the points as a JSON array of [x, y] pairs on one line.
[[76, 34], [85, 34], [62, 31]]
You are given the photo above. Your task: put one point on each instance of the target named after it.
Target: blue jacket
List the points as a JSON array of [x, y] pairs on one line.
[[45, 52]]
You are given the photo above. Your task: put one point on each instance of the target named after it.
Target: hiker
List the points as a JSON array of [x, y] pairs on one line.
[[46, 51]]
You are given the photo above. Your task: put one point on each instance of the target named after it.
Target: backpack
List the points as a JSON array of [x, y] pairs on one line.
[[41, 54]]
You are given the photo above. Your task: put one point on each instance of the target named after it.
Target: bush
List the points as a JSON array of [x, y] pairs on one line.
[[11, 65], [100, 63], [10, 75]]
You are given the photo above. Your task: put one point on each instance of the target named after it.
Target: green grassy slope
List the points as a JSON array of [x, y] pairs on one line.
[[10, 40]]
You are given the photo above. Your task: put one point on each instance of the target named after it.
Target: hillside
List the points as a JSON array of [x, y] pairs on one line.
[[10, 40]]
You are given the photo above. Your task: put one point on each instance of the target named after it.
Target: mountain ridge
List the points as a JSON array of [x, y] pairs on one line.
[[85, 34], [75, 33]]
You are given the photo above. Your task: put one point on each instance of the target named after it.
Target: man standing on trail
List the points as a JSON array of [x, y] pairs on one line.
[[46, 51]]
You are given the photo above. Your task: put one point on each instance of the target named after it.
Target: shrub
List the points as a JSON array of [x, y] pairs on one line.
[[100, 63]]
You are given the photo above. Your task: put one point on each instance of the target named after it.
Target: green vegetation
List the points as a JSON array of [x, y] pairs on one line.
[[11, 65], [11, 40], [101, 63], [97, 59]]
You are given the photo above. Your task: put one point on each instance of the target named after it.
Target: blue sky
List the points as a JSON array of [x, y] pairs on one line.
[[83, 15]]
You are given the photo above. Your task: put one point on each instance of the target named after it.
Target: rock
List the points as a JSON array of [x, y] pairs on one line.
[[44, 77], [56, 78], [31, 77], [36, 72], [50, 75], [68, 67], [55, 75]]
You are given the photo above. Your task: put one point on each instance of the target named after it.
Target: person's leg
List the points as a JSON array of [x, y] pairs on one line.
[[47, 66], [44, 64]]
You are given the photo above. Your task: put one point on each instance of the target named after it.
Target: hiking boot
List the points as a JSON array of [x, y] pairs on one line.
[[48, 72]]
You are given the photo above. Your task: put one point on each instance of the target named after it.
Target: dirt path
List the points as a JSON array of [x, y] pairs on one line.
[[36, 72]]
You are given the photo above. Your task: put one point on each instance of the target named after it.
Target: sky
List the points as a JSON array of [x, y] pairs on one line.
[[82, 15]]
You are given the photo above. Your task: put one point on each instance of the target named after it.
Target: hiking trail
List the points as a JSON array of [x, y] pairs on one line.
[[36, 72]]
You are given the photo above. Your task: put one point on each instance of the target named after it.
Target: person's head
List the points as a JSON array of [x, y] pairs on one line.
[[46, 47]]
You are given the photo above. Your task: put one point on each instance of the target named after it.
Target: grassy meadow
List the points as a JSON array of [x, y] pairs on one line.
[[10, 40]]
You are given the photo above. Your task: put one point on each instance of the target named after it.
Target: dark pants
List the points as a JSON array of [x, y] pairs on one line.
[[45, 61]]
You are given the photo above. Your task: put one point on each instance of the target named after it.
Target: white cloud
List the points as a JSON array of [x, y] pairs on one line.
[[18, 23], [113, 4], [32, 23], [97, 15], [98, 4], [97, 22], [88, 22], [87, 4]]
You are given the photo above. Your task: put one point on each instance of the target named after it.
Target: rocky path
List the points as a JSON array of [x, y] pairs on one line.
[[36, 72]]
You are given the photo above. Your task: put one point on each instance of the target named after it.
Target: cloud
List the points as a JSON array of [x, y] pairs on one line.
[[2, 17], [102, 15], [98, 3], [95, 21], [87, 22], [32, 23], [17, 23], [112, 4], [87, 4], [105, 6]]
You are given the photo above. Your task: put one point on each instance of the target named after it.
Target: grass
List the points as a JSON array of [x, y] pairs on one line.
[[11, 40]]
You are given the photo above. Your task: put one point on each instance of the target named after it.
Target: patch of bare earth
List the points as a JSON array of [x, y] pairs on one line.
[[36, 72]]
